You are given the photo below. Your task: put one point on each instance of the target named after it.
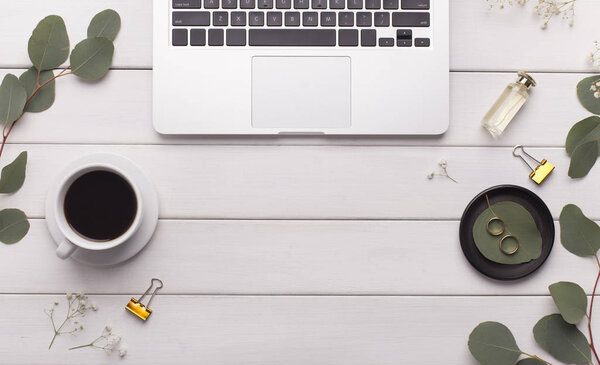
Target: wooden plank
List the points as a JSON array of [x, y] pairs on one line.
[[310, 182], [118, 111], [273, 330], [284, 257], [510, 39]]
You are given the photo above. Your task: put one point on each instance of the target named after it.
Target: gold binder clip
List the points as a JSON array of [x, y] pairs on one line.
[[136, 307], [543, 169]]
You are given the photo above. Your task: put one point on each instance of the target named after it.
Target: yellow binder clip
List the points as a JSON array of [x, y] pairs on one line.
[[543, 169], [140, 310]]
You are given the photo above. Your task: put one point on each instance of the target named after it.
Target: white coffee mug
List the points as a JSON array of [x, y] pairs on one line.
[[72, 240]]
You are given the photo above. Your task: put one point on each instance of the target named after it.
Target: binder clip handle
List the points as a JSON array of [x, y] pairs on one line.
[[523, 153], [158, 287]]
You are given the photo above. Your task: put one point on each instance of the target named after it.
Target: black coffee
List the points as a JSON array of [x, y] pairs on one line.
[[100, 206]]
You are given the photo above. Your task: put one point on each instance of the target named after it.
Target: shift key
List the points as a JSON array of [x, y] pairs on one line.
[[412, 19], [191, 18]]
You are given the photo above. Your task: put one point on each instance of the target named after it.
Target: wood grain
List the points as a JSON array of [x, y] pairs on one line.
[[285, 257], [314, 182], [262, 330]]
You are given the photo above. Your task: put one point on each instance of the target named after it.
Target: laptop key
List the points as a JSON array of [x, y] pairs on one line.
[[390, 4], [198, 37], [180, 37], [247, 4], [410, 19], [319, 4], [348, 38], [373, 4], [386, 42], [368, 37], [415, 4], [404, 34], [355, 4], [256, 18], [283, 4], [238, 18], [191, 18], [382, 19], [310, 19], [292, 37], [363, 19], [229, 4], [404, 42], [422, 42], [186, 4], [220, 18], [292, 18], [211, 4], [265, 4], [215, 37], [274, 19], [328, 19], [301, 4], [337, 4], [346, 19], [236, 37]]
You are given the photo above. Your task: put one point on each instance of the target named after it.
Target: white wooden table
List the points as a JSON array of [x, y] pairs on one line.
[[295, 250]]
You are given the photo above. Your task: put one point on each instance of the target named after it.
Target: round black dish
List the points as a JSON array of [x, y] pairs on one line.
[[538, 210]]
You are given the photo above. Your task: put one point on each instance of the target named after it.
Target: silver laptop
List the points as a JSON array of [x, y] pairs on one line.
[[339, 67]]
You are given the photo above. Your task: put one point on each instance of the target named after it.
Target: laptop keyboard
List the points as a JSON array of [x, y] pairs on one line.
[[300, 23]]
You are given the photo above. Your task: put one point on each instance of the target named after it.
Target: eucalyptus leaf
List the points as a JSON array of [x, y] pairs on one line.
[[586, 94], [13, 226], [562, 340], [531, 361], [49, 43], [12, 99], [570, 299], [13, 175], [583, 159], [44, 98], [91, 59], [105, 24], [578, 234], [518, 222], [492, 343], [582, 132]]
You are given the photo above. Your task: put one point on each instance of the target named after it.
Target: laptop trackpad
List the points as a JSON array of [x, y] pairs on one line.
[[301, 92]]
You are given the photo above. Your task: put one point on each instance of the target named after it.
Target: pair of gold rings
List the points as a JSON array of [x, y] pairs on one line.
[[496, 227]]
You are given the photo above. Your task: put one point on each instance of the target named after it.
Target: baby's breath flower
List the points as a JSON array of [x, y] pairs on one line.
[[75, 310], [122, 351], [107, 341], [444, 167], [545, 9]]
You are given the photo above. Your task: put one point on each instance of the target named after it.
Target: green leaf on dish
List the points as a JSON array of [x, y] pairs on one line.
[[518, 222], [585, 94], [91, 59], [49, 43], [531, 361], [13, 226], [13, 175], [562, 340], [12, 99], [105, 24], [570, 299], [578, 234], [492, 343], [44, 98]]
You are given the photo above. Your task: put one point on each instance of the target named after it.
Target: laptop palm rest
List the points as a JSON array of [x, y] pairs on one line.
[[301, 92]]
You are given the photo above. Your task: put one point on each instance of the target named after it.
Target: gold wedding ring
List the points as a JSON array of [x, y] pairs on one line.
[[504, 250], [495, 233]]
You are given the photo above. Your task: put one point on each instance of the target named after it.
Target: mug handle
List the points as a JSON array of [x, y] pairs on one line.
[[65, 249]]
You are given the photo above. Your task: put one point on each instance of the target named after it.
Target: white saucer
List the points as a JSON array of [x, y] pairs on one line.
[[132, 246]]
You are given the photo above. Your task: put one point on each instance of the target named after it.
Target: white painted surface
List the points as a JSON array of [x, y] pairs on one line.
[[296, 250]]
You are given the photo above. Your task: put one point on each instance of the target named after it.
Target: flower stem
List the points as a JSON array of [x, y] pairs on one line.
[[82, 346], [592, 347], [537, 358]]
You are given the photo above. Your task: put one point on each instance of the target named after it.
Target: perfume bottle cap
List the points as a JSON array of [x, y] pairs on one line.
[[526, 80]]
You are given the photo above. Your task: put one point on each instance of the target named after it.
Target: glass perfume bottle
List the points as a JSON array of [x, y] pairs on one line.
[[508, 104]]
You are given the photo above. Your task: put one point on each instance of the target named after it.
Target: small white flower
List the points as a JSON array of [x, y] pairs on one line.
[[108, 328], [69, 296], [430, 176], [597, 94], [56, 302], [122, 351], [94, 307]]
